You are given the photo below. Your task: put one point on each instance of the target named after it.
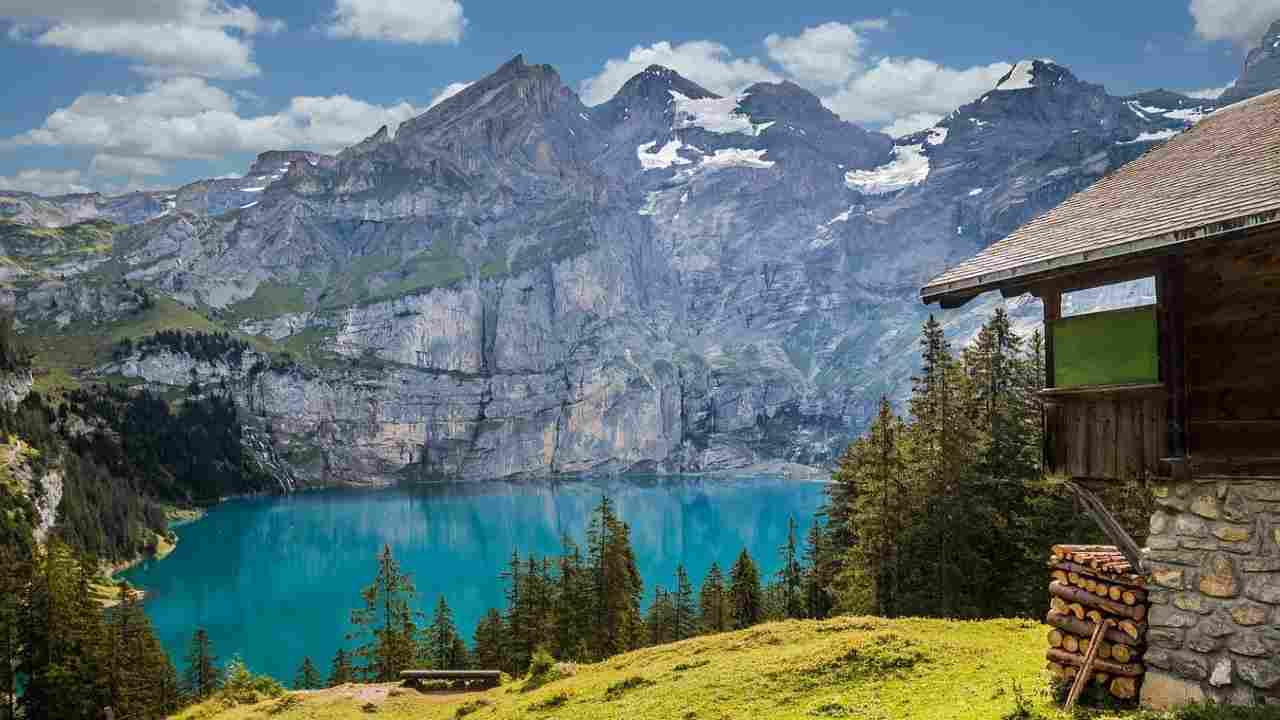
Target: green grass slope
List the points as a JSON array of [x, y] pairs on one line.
[[852, 667]]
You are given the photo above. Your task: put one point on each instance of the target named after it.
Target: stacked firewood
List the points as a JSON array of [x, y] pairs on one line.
[[1094, 585]]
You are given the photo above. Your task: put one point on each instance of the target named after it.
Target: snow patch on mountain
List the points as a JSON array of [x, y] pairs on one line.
[[737, 157], [665, 157], [908, 167], [717, 115], [1150, 136], [1021, 77]]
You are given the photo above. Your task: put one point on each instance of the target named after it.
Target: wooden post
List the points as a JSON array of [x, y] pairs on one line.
[[1086, 670], [1052, 299], [1170, 296]]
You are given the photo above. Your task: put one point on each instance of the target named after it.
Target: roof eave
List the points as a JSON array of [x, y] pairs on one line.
[[957, 292]]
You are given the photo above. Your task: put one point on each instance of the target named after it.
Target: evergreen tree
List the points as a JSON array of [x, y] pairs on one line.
[[307, 677], [661, 619], [202, 676], [713, 602], [573, 604], [490, 641], [619, 626], [818, 572], [439, 648], [515, 650], [459, 656], [745, 602], [340, 671], [791, 576], [684, 621], [386, 622]]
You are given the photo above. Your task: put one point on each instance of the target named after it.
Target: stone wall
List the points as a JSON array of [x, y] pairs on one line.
[[1214, 627]]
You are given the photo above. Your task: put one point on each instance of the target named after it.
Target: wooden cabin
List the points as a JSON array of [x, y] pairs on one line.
[[1181, 387]]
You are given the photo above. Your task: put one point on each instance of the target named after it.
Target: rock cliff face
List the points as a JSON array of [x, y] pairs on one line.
[[514, 284], [1261, 68]]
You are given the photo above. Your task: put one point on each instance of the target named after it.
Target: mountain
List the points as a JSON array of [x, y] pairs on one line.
[[516, 284], [1261, 68]]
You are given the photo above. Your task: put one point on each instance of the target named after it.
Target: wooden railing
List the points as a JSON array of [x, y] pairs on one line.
[[1110, 432]]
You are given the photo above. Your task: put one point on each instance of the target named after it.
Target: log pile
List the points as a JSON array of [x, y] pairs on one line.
[[1092, 585]]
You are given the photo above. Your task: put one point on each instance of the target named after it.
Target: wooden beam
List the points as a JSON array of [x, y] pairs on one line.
[[1052, 300], [1170, 295]]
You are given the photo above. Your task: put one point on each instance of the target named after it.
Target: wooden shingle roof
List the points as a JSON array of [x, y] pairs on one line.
[[1221, 175]]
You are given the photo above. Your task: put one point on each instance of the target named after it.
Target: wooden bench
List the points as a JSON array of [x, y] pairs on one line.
[[478, 678]]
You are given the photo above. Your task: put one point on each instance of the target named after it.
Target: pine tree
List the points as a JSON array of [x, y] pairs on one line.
[[12, 584], [440, 638], [515, 653], [202, 676], [818, 572], [459, 656], [713, 602], [791, 576], [340, 671], [49, 664], [490, 641], [745, 602], [573, 604], [307, 677], [386, 622], [660, 619], [619, 626], [684, 621]]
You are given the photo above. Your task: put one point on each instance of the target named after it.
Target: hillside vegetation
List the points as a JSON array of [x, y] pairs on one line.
[[854, 667]]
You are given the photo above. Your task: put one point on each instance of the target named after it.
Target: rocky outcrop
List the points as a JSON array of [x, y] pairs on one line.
[[1261, 69], [14, 388]]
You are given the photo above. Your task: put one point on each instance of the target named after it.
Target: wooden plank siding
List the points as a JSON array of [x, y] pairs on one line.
[[1232, 358], [1106, 433]]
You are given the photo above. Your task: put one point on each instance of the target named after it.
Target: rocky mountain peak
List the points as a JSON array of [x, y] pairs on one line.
[[514, 95], [1038, 73], [1261, 68], [657, 82]]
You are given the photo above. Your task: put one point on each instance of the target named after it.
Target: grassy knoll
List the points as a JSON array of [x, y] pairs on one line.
[[846, 667], [60, 352]]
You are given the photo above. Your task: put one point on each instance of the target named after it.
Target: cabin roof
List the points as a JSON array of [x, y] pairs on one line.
[[1221, 175]]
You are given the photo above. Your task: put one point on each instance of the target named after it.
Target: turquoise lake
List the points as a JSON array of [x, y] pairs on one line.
[[274, 579]]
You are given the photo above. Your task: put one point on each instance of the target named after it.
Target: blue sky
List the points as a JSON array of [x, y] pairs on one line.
[[155, 93]]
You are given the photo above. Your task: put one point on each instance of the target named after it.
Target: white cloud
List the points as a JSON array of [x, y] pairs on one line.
[[895, 89], [165, 37], [707, 63], [186, 118], [449, 91], [827, 55], [44, 182], [1209, 93], [404, 21], [908, 124], [1242, 22]]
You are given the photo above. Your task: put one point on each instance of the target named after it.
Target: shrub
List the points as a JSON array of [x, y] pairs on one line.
[[542, 663], [469, 707], [242, 687], [621, 687], [551, 703]]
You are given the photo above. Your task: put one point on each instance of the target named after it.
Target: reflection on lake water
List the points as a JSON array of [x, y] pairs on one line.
[[275, 579]]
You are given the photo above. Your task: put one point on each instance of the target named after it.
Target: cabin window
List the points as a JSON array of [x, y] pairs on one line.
[[1107, 336]]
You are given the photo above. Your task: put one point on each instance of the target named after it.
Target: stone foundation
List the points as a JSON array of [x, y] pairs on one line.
[[1214, 626]]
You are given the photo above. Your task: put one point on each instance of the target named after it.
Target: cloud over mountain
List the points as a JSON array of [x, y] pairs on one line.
[[187, 118]]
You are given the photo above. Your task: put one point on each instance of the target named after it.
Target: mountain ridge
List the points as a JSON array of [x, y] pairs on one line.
[[514, 284]]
